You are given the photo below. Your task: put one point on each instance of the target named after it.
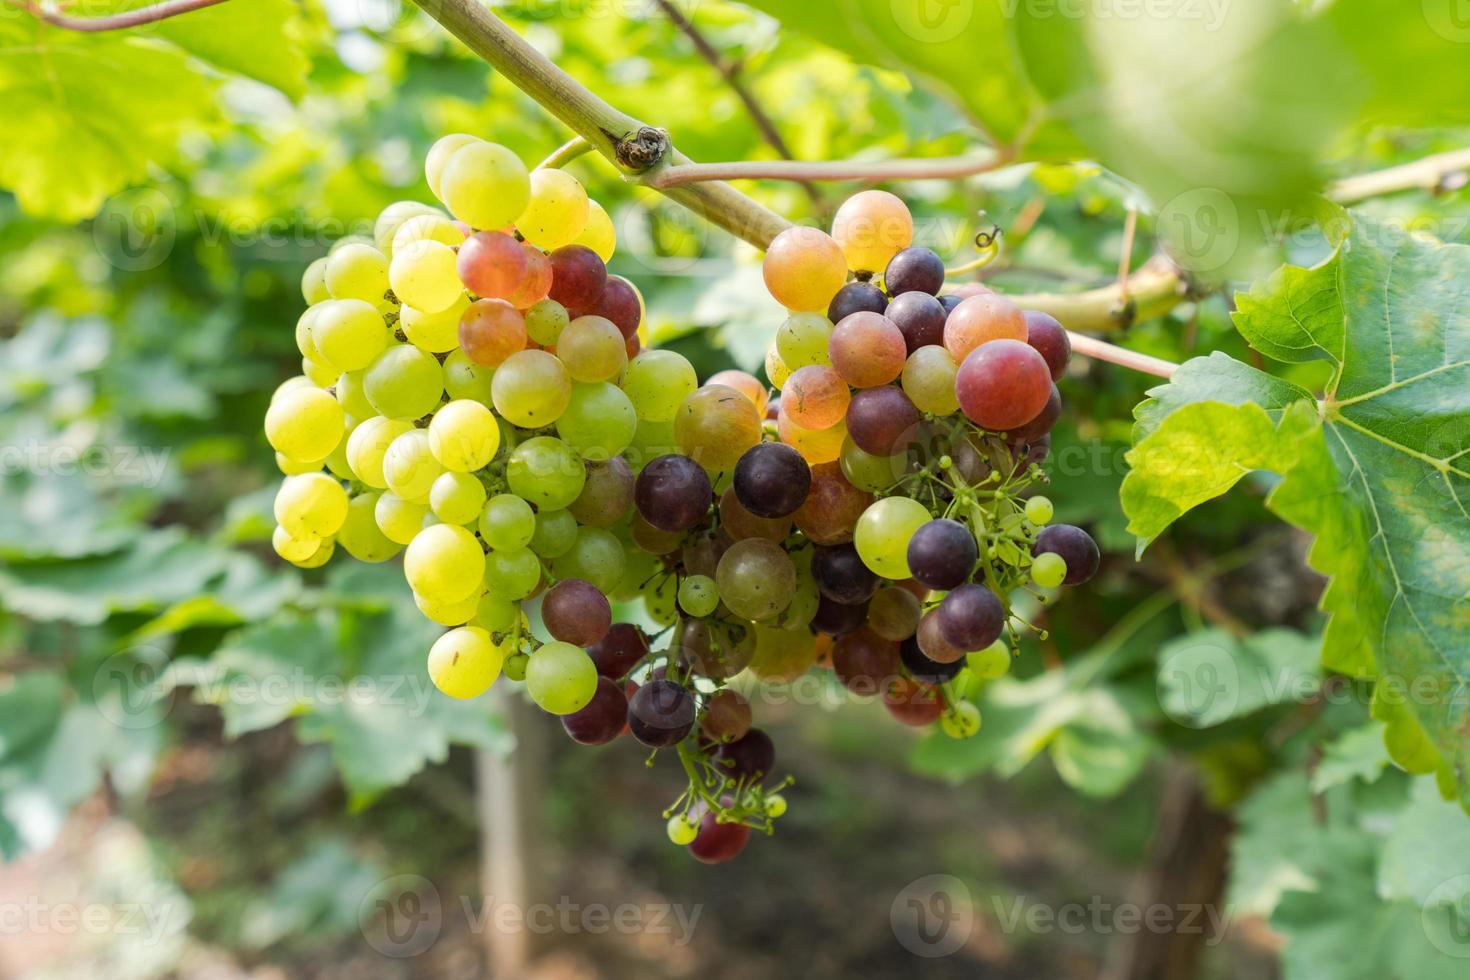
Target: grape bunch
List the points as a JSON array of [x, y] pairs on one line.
[[476, 395]]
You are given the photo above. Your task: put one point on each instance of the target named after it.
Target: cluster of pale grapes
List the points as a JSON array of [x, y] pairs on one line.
[[475, 394]]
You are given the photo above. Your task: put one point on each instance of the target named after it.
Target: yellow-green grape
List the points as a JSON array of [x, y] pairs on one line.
[[782, 655], [353, 396], [599, 234], [507, 522], [409, 466], [556, 533], [872, 227], [293, 382], [775, 806], [531, 389], [883, 532], [868, 472], [657, 382], [698, 595], [1048, 570], [369, 443], [557, 211], [756, 578], [456, 498], [423, 275], [715, 426], [321, 556], [464, 662], [928, 379], [653, 439], [596, 556], [357, 272], [425, 227], [515, 666], [391, 218], [802, 340], [599, 421], [682, 830], [449, 613], [294, 548], [400, 520], [512, 573], [495, 614], [638, 567], [444, 563], [464, 436], [444, 148], [304, 424], [804, 268], [304, 341], [992, 662], [484, 185], [291, 468], [777, 371], [404, 382], [314, 282], [1039, 511], [545, 321], [463, 378], [546, 472], [337, 459], [962, 720], [360, 535], [592, 349], [320, 375], [348, 333], [434, 332], [347, 240], [561, 678], [311, 505], [661, 601]]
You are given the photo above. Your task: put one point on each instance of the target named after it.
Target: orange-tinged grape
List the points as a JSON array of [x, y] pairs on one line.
[[928, 380], [979, 320], [815, 445], [804, 268], [832, 506], [872, 227], [715, 426], [537, 281], [747, 384], [490, 331], [815, 397], [592, 348], [867, 349], [492, 264]]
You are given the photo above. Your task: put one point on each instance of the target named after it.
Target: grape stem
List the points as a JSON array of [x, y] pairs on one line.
[[565, 154], [1100, 350], [930, 168], [114, 22]]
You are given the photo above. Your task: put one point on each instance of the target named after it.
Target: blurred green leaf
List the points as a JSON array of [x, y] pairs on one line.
[[1209, 677]]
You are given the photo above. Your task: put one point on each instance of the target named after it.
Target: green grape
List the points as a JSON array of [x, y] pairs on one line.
[[439, 154], [1048, 570], [599, 235], [961, 721], [352, 395], [556, 533], [557, 211], [599, 421], [314, 282], [495, 614], [1039, 511], [682, 830], [311, 505], [484, 185], [756, 578], [304, 424], [337, 458], [321, 556], [294, 549], [512, 573], [291, 384], [360, 535], [357, 272], [545, 321], [638, 568], [592, 348], [531, 388], [391, 218], [698, 595], [434, 332], [607, 496], [507, 522], [561, 678], [456, 498], [464, 662], [444, 563], [348, 333], [660, 600], [805, 598], [304, 343], [319, 374], [464, 379], [868, 472], [650, 441], [776, 369], [715, 426], [596, 556], [404, 382], [409, 466], [400, 520], [992, 662], [928, 379], [449, 613], [546, 472], [290, 468], [368, 445], [883, 532], [657, 382], [423, 275], [464, 435], [802, 340], [424, 227], [775, 806]]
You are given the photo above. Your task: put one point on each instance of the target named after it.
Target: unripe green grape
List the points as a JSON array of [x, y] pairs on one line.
[[962, 720], [404, 382], [805, 599], [561, 678], [650, 441], [449, 613], [290, 467], [698, 595], [992, 662], [400, 520], [928, 379], [592, 348], [883, 532], [320, 375], [368, 445], [638, 567], [348, 333], [1048, 570], [433, 332], [304, 424], [756, 579], [293, 548], [556, 533], [433, 227], [494, 614], [423, 275], [456, 498], [661, 600], [314, 282], [657, 382], [360, 535], [682, 830], [357, 272], [1039, 511], [599, 421], [409, 466], [545, 321], [546, 472], [556, 212], [464, 662], [775, 806], [444, 563], [290, 384], [484, 185], [304, 342], [596, 556], [353, 397], [321, 556], [391, 218], [531, 388], [802, 340], [463, 378], [507, 522], [464, 436], [868, 472], [599, 235], [311, 505], [512, 573], [444, 147]]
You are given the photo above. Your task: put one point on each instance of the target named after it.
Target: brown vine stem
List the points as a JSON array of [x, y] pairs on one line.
[[924, 168], [1432, 173], [116, 22]]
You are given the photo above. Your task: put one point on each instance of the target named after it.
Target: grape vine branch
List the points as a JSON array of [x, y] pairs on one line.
[[114, 22]]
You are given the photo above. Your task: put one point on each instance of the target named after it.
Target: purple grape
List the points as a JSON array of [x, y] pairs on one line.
[[836, 619], [1076, 548], [915, 269], [1044, 422], [603, 718], [619, 650], [771, 480], [576, 612], [1050, 339], [673, 493], [855, 297], [879, 418], [753, 756], [949, 301], [921, 668], [842, 575], [942, 554], [661, 713], [920, 317], [971, 617]]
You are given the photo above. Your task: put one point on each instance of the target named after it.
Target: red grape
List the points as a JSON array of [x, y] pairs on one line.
[[576, 612], [1003, 385], [491, 330], [867, 349], [604, 717], [878, 419], [491, 264], [1050, 339], [578, 276], [920, 317]]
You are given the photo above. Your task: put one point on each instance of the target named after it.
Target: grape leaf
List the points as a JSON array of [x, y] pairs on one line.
[[1208, 677], [1409, 870], [1281, 847], [1355, 754], [259, 40]]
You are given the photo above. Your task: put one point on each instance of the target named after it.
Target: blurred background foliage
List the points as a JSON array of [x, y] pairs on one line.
[[152, 251]]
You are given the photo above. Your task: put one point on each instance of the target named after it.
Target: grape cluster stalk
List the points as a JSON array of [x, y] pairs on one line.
[[477, 395]]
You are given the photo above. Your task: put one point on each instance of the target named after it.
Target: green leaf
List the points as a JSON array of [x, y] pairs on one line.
[[1426, 859], [1356, 754], [1281, 846], [259, 40], [1209, 677]]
